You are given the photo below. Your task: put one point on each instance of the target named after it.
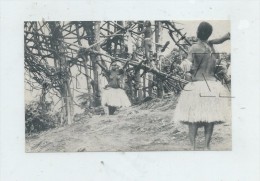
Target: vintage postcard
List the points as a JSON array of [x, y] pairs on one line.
[[129, 90], [143, 85]]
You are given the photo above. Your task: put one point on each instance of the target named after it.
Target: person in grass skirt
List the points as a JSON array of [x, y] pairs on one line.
[[205, 101], [113, 95]]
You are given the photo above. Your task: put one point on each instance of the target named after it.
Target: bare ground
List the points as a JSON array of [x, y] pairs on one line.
[[147, 127]]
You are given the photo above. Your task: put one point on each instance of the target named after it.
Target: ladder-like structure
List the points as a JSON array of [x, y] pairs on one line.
[[52, 49]]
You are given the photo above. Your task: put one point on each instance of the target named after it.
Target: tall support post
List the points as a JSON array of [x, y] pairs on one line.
[[144, 85], [92, 29], [138, 85], [140, 92], [61, 62], [158, 47], [121, 40], [87, 72], [150, 76], [150, 83], [96, 67]]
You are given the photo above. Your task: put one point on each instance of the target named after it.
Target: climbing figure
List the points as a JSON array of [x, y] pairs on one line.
[[148, 32]]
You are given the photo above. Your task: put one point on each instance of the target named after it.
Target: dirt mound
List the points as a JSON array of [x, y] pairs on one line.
[[145, 127], [168, 102]]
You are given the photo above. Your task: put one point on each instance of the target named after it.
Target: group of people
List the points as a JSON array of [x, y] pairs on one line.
[[205, 100]]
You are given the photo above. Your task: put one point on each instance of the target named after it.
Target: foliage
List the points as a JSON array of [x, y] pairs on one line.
[[85, 102], [39, 117]]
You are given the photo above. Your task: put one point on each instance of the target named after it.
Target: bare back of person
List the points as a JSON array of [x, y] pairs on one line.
[[209, 110], [203, 62]]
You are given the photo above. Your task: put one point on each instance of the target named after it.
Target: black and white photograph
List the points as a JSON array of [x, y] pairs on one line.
[[148, 85], [130, 90]]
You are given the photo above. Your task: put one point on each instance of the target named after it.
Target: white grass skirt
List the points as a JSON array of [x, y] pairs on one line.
[[115, 97], [199, 104]]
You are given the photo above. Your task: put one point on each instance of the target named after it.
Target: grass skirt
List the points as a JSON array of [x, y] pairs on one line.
[[115, 97], [199, 104]]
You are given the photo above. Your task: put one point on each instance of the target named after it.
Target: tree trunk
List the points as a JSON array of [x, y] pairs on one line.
[[139, 86], [130, 87], [150, 83], [70, 107], [96, 68], [87, 72], [144, 85], [60, 59], [158, 40]]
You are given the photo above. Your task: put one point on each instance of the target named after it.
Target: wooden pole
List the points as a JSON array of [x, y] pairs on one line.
[[158, 31], [150, 83], [144, 85], [87, 72], [138, 84], [96, 68], [67, 103], [142, 66]]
